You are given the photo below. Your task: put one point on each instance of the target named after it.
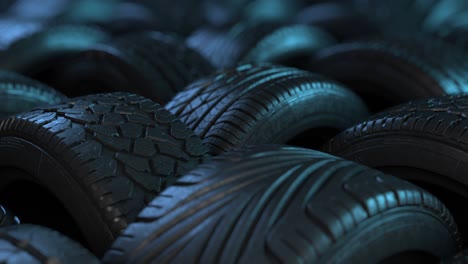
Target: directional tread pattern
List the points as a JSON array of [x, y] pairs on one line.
[[36, 244], [122, 149], [255, 104], [268, 204]]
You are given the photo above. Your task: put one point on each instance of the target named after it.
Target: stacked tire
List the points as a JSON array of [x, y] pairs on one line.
[[233, 132]]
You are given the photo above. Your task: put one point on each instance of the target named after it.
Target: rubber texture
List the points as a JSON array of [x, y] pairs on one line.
[[278, 204], [427, 134], [33, 55], [257, 104], [387, 72], [103, 156], [20, 94], [258, 42], [422, 141], [36, 244], [152, 64]]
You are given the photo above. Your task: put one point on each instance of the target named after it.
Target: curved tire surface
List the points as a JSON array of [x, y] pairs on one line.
[[280, 204], [256, 104], [20, 94], [103, 156], [387, 72], [151, 64], [36, 244]]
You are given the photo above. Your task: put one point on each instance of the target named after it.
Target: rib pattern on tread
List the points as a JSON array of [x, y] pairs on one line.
[[36, 244], [266, 204], [122, 149], [238, 106]]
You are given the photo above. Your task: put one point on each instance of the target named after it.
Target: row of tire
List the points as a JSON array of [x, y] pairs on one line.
[[345, 19], [183, 173]]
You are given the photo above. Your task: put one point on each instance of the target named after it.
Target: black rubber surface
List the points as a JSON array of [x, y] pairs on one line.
[[20, 94], [427, 134], [102, 156], [258, 42], [34, 54], [339, 18], [36, 244], [278, 204], [152, 64], [7, 217], [387, 72], [423, 141], [257, 104]]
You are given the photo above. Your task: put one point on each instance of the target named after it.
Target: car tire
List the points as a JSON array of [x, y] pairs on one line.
[[104, 157], [258, 104], [281, 204]]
